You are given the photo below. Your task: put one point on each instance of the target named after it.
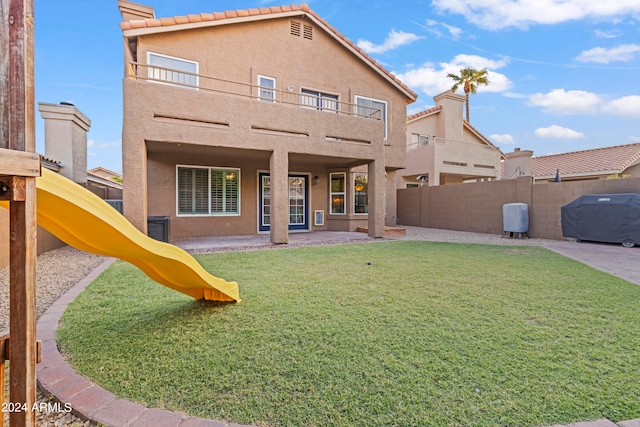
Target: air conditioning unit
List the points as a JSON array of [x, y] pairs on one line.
[[515, 219]]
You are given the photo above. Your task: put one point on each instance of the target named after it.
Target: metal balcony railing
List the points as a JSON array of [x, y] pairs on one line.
[[168, 76]]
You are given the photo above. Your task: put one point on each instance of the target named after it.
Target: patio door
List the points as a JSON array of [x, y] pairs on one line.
[[298, 202]]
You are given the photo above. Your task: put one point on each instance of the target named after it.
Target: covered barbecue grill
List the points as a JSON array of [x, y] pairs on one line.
[[609, 218]]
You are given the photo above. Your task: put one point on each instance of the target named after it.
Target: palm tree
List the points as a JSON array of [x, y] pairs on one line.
[[470, 78]]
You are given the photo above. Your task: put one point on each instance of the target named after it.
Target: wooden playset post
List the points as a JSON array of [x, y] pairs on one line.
[[19, 166]]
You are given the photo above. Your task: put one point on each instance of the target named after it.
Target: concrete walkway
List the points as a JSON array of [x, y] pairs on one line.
[[94, 403]]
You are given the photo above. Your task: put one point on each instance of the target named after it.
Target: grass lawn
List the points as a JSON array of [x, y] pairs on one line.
[[382, 334]]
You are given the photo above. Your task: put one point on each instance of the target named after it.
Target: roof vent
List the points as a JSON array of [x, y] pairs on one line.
[[308, 32], [295, 28], [301, 30]]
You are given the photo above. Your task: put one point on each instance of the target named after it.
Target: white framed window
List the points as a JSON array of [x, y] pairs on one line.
[[266, 88], [360, 195], [369, 107], [419, 140], [337, 193], [319, 100], [207, 191], [171, 70]]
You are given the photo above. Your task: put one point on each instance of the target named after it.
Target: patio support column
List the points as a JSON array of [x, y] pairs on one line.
[[376, 188], [279, 172]]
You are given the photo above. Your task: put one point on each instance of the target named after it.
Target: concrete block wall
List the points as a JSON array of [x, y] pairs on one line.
[[477, 207]]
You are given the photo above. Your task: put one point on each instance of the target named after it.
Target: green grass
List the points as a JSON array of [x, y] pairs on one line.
[[428, 334]]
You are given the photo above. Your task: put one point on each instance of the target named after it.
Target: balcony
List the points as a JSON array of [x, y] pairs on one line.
[[449, 161], [289, 97], [174, 105]]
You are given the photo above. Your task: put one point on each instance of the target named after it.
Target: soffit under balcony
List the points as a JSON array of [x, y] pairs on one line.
[[297, 161]]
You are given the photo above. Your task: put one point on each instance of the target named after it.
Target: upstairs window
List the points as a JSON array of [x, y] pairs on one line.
[[418, 140], [163, 68], [319, 100], [266, 88], [368, 107]]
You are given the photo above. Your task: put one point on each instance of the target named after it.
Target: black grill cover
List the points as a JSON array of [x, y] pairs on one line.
[[609, 218]]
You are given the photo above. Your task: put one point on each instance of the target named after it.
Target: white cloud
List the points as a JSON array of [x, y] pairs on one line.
[[627, 106], [455, 32], [559, 132], [515, 95], [559, 101], [505, 139], [498, 14], [612, 34], [601, 55], [394, 40], [436, 28], [432, 79]]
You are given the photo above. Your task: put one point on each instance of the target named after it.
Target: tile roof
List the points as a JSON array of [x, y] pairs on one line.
[[267, 12], [428, 112], [603, 160], [483, 138]]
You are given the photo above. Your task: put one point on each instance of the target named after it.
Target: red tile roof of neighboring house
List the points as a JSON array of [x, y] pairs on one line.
[[603, 160], [267, 12], [428, 112]]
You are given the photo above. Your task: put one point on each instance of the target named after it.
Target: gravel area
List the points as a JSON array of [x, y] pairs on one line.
[[437, 235], [56, 272]]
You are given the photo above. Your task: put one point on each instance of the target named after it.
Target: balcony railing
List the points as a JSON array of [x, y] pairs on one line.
[[425, 140], [168, 76]]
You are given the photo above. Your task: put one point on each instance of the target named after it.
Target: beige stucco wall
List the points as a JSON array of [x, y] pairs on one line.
[[173, 125], [447, 207], [454, 153]]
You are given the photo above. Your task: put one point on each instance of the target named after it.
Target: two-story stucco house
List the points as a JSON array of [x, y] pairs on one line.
[[443, 148], [260, 120]]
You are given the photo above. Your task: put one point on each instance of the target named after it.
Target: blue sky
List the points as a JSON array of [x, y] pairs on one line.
[[563, 73]]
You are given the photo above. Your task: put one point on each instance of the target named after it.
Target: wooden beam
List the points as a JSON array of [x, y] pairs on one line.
[[13, 188], [4, 75], [22, 305], [19, 163], [22, 216]]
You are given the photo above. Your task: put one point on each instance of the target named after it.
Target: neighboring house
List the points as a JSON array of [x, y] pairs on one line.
[[106, 184], [619, 161], [105, 174], [65, 146], [260, 120], [443, 148]]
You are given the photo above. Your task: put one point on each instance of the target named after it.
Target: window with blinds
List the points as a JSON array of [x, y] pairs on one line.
[[208, 191]]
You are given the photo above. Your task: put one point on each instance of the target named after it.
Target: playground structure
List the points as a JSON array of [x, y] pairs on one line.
[[75, 216], [83, 220]]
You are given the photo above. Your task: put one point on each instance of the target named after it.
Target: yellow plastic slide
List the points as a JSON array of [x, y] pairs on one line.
[[81, 219]]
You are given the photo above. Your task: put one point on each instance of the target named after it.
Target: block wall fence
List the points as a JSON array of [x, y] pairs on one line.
[[477, 207]]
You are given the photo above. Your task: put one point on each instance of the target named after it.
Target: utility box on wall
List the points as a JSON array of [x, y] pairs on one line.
[[158, 228], [515, 219]]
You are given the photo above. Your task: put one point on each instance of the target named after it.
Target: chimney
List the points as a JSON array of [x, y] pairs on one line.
[[65, 138], [517, 164], [450, 120], [131, 11]]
